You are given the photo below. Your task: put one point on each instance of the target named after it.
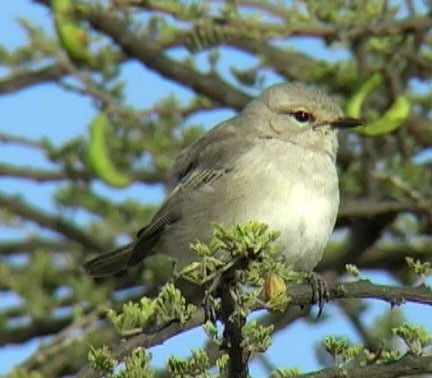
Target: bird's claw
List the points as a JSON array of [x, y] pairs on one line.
[[320, 291]]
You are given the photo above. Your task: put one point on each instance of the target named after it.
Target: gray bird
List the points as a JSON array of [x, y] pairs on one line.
[[274, 162]]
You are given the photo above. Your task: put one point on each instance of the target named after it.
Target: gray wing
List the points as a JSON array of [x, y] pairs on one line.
[[201, 164], [204, 162], [109, 263]]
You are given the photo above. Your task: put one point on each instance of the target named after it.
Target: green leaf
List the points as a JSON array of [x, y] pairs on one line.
[[72, 37], [390, 121], [354, 104], [98, 154], [100, 359]]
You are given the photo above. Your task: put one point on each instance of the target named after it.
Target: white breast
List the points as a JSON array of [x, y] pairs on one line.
[[295, 192]]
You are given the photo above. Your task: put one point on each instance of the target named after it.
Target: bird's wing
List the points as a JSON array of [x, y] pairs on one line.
[[169, 213], [109, 263], [201, 164]]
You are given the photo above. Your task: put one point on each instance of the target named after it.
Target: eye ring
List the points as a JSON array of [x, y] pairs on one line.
[[303, 116]]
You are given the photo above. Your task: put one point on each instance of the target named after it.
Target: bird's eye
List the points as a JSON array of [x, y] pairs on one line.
[[303, 117]]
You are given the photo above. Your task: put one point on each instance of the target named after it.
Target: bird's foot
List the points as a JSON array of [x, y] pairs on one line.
[[320, 291]]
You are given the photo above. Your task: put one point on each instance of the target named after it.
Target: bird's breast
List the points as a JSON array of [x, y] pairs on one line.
[[294, 191]]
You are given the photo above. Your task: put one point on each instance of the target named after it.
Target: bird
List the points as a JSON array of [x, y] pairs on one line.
[[274, 162]]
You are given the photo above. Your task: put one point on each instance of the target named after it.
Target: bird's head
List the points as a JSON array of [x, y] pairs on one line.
[[300, 114]]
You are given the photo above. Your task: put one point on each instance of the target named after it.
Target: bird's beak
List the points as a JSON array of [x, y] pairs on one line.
[[345, 123]]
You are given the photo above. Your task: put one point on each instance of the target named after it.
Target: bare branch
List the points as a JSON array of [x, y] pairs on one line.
[[32, 244], [21, 80], [38, 328], [369, 208], [40, 175], [406, 366], [136, 47], [17, 206]]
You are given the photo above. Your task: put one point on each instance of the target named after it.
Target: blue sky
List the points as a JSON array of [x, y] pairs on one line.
[[46, 110]]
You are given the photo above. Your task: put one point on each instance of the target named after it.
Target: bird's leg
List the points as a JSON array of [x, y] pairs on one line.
[[320, 291]]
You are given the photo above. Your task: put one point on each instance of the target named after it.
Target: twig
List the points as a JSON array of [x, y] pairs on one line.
[[407, 365], [17, 81], [233, 341], [300, 295], [17, 206], [135, 46]]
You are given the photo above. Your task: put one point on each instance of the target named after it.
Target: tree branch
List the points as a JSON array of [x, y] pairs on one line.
[[406, 366], [37, 328], [369, 208], [146, 340], [300, 295], [16, 205], [151, 56], [233, 341], [31, 244], [15, 82], [39, 175]]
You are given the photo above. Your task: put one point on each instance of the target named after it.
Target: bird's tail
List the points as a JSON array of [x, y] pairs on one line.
[[109, 263]]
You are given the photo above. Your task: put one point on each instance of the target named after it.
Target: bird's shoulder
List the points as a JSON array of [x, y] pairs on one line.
[[214, 152]]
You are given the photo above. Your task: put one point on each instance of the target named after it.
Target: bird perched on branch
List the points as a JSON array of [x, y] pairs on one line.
[[274, 162]]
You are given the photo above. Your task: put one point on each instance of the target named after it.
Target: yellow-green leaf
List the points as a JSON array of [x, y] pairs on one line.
[[354, 104], [72, 37], [390, 121], [98, 154]]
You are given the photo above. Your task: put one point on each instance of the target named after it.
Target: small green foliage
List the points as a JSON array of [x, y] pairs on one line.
[[335, 345], [422, 270], [285, 373], [37, 296], [100, 359], [170, 304], [222, 363], [251, 241], [246, 240], [271, 263], [137, 365], [352, 352], [352, 270], [195, 366], [84, 289], [211, 330], [206, 35], [416, 338], [22, 373], [246, 300], [133, 316], [390, 356], [247, 77], [256, 336], [340, 350]]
